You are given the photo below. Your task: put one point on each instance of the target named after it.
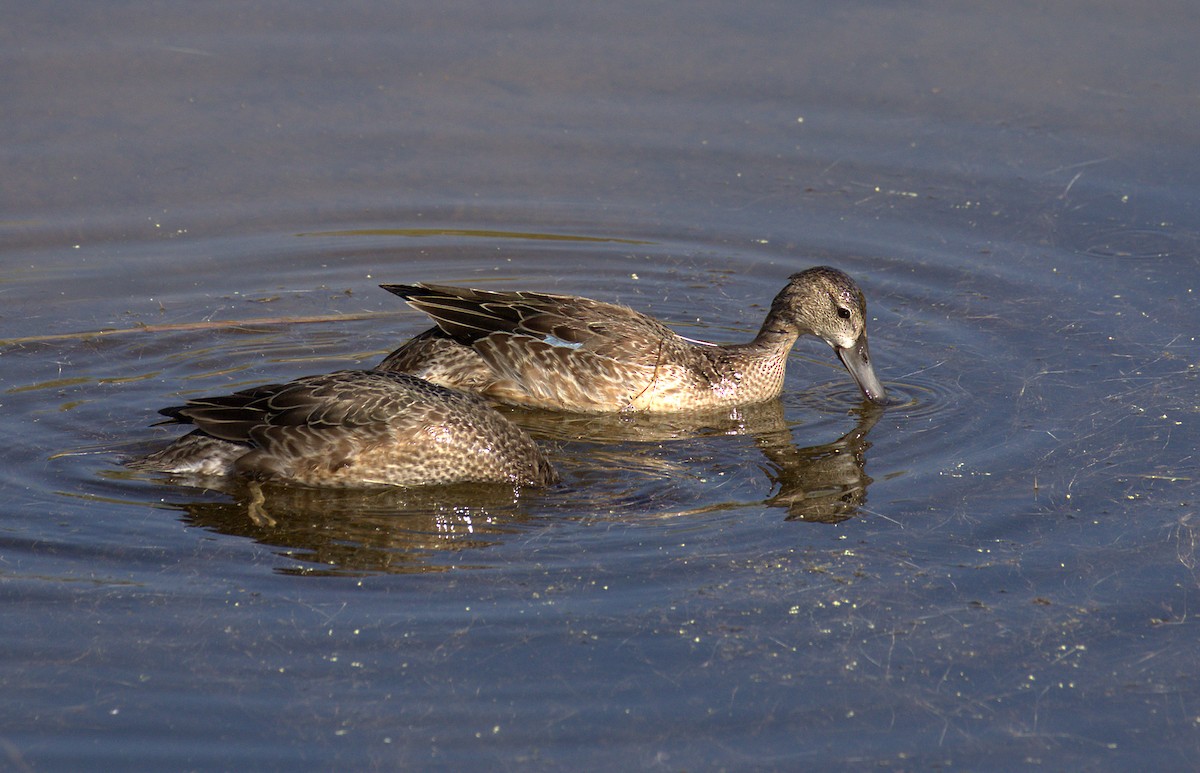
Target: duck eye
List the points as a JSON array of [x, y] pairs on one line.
[[843, 312]]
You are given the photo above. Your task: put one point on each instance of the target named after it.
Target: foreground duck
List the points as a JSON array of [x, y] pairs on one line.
[[352, 428], [568, 353]]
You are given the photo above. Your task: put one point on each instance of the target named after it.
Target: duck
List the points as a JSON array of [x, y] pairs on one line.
[[568, 353], [351, 428]]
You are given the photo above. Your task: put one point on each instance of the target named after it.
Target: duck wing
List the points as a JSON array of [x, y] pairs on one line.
[[569, 322], [348, 400]]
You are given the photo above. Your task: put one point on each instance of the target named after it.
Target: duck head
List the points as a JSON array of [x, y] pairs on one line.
[[825, 302]]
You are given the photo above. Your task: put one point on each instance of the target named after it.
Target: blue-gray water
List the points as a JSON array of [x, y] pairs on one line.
[[998, 572]]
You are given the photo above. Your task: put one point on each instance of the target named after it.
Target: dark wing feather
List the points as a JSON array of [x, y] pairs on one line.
[[344, 399], [228, 417], [467, 315], [463, 314]]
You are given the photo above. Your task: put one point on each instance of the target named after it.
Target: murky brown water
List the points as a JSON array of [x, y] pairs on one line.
[[997, 572]]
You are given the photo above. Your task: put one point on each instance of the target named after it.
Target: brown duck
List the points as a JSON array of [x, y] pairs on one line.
[[351, 428], [574, 354]]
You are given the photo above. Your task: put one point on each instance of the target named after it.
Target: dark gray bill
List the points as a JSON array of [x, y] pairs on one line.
[[857, 360]]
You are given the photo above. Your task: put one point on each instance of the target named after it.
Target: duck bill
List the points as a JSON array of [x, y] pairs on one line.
[[857, 360]]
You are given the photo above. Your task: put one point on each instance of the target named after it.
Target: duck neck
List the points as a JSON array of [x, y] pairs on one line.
[[781, 328], [774, 339]]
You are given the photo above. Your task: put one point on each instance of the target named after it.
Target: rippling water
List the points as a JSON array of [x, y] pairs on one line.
[[996, 571]]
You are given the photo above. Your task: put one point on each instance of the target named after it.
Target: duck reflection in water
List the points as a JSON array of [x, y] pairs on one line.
[[825, 483], [821, 483], [398, 530], [323, 532]]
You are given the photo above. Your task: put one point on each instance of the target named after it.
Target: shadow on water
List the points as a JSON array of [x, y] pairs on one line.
[[615, 466]]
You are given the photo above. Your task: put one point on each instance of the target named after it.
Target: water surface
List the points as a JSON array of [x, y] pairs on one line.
[[996, 572]]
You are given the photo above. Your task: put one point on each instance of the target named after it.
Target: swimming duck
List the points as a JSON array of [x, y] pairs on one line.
[[574, 354], [351, 428]]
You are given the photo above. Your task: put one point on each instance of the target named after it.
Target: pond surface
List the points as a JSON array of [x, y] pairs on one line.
[[998, 571]]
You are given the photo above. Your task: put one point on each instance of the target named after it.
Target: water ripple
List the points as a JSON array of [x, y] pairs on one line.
[[924, 398], [1138, 243]]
